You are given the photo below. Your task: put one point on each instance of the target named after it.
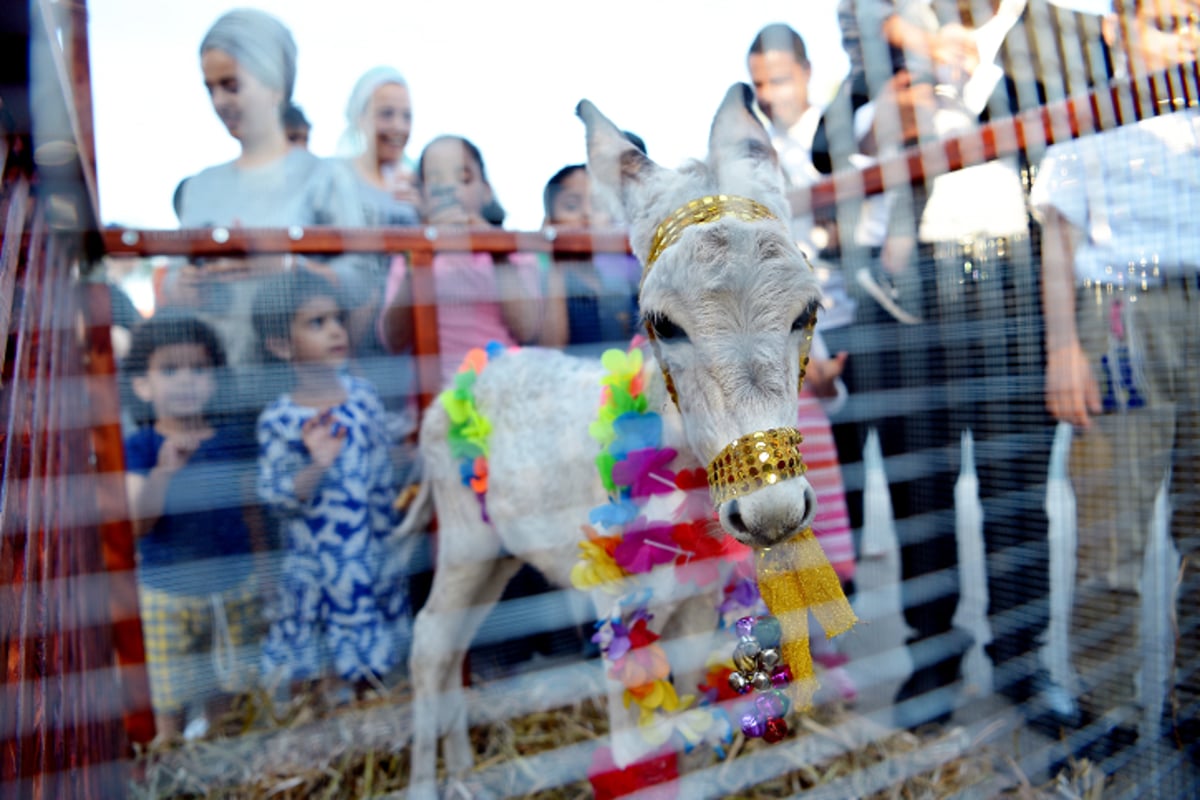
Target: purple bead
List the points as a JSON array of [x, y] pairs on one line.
[[752, 726], [769, 705], [745, 627], [781, 676]]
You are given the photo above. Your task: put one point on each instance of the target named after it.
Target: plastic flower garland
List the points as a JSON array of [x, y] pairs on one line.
[[469, 429], [634, 468]]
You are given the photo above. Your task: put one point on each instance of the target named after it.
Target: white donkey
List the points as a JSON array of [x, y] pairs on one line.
[[728, 302]]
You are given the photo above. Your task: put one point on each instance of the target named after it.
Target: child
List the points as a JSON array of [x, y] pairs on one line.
[[480, 300], [296, 126], [601, 290], [325, 472], [188, 472]]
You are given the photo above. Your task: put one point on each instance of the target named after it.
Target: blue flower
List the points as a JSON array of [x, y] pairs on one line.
[[636, 432], [613, 513], [466, 470]]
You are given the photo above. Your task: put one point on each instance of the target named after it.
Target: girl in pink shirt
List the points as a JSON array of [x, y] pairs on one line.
[[479, 300]]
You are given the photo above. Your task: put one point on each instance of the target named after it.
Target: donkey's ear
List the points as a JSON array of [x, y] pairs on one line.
[[739, 149], [617, 168]]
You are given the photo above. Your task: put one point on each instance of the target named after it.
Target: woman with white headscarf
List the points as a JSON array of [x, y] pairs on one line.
[[379, 121], [248, 59]]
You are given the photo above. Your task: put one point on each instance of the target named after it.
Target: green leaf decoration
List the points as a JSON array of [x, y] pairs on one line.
[[604, 466]]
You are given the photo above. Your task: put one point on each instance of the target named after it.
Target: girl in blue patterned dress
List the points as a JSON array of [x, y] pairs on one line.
[[325, 473]]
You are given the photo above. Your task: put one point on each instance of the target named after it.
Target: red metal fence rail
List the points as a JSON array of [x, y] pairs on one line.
[[73, 691]]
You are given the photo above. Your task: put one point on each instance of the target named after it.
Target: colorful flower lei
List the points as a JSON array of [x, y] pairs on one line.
[[470, 429], [634, 468]]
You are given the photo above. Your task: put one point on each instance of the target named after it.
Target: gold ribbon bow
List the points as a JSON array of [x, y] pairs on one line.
[[794, 578]]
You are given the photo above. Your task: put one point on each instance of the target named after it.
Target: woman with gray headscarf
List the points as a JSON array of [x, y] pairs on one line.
[[248, 59], [379, 121]]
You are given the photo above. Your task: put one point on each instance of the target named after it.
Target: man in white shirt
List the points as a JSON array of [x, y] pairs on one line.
[[780, 71], [1121, 295]]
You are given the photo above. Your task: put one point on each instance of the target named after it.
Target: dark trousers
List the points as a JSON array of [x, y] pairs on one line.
[[975, 363]]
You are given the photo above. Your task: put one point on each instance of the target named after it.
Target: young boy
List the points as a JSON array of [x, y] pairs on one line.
[[1121, 300], [601, 291], [187, 472]]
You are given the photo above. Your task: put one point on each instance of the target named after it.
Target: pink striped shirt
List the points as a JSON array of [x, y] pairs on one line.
[[832, 523]]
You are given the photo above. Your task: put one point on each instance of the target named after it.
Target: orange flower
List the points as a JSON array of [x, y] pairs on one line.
[[654, 696], [641, 666], [636, 385], [606, 543], [479, 483], [475, 360]]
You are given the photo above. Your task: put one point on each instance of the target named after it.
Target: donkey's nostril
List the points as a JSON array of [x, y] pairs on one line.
[[735, 517]]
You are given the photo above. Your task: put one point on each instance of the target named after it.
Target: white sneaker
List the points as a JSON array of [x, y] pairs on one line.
[[1060, 701], [884, 296], [197, 728]]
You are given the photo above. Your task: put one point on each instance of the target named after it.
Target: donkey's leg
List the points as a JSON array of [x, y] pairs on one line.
[[629, 743], [428, 669], [488, 578], [427, 691], [688, 636], [466, 561]]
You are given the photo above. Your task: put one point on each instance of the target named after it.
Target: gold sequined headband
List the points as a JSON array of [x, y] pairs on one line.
[[709, 208], [701, 212]]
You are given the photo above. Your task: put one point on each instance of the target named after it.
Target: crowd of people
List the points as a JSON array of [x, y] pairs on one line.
[[273, 394]]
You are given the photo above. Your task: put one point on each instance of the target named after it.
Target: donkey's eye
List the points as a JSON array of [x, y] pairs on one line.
[[663, 328], [806, 318]]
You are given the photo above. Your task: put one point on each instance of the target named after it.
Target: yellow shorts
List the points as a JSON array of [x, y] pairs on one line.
[[188, 656]]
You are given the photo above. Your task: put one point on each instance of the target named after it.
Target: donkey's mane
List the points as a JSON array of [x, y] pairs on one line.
[[696, 170], [663, 193], [698, 179]]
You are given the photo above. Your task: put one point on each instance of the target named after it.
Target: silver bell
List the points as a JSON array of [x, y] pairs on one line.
[[760, 681], [745, 655], [768, 658]]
